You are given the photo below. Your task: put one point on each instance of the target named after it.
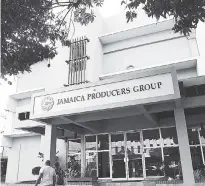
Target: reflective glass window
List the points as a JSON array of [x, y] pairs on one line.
[[103, 142]]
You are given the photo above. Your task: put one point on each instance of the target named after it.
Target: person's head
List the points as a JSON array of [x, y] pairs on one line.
[[48, 163], [57, 165]]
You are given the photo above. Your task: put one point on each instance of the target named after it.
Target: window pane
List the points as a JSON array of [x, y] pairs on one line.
[[133, 143], [103, 142], [103, 165], [134, 153], [151, 138], [74, 146], [74, 165], [169, 136], [117, 144], [90, 143], [193, 136], [172, 163], [22, 116], [202, 134], [118, 156], [91, 164], [196, 157], [27, 115], [153, 162]]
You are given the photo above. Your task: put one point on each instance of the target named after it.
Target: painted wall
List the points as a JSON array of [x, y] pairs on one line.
[[146, 51], [57, 75], [22, 105], [60, 148], [141, 52], [23, 156]]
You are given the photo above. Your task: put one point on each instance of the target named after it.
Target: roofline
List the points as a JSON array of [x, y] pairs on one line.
[[25, 94]]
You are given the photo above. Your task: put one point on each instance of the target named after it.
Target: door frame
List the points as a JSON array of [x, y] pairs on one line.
[[142, 154], [126, 157], [111, 162]]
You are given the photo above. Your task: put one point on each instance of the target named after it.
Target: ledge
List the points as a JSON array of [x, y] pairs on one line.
[[136, 32], [20, 134], [194, 81], [26, 94], [183, 64]]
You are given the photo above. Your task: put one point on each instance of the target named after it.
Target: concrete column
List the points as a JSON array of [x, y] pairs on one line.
[[184, 149], [83, 166], [50, 143]]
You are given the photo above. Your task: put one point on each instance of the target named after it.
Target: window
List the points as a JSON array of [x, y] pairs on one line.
[[197, 148], [162, 157], [172, 162], [91, 156], [139, 154], [74, 158], [97, 156], [118, 156], [77, 61], [24, 116], [153, 153], [103, 156]]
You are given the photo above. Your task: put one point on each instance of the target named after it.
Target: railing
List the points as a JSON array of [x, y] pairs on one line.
[[77, 61]]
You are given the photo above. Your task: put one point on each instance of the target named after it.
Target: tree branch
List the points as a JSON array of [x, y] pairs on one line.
[[64, 18], [73, 28], [70, 20], [61, 12]]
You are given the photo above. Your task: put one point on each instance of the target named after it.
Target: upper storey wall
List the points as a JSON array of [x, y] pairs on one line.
[[147, 51], [149, 48]]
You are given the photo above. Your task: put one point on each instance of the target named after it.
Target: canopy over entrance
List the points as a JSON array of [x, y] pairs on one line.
[[133, 101]]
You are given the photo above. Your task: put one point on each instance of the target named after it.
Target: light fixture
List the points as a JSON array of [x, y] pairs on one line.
[[130, 67]]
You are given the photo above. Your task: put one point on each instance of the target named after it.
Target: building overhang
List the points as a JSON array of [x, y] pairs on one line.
[[78, 118], [26, 94], [51, 107], [32, 128], [21, 134], [194, 81], [136, 32], [178, 65]]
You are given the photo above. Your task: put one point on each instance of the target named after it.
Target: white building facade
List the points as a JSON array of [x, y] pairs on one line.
[[126, 101]]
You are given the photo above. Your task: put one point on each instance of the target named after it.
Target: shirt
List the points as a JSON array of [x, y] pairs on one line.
[[48, 174]]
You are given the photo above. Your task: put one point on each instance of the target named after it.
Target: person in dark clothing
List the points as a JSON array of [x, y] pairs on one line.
[[60, 174]]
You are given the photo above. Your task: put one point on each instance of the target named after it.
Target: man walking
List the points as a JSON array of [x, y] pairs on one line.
[[47, 175]]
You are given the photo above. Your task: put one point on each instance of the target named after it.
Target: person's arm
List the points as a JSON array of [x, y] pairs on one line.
[[39, 177], [54, 178]]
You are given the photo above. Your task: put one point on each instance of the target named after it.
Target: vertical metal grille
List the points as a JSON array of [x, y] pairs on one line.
[[77, 61]]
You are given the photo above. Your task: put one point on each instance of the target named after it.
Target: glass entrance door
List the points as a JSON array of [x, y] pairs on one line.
[[127, 156], [134, 156], [118, 156]]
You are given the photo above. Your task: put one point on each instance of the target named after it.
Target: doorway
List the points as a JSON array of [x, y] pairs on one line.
[[127, 156]]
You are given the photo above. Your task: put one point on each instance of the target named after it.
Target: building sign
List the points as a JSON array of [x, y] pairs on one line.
[[105, 94]]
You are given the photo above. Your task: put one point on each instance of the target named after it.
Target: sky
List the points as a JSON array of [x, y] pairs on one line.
[[110, 8]]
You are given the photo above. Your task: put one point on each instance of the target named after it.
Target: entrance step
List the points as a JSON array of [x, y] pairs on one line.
[[142, 183]]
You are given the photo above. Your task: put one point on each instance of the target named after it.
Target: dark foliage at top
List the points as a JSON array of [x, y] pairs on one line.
[[30, 28]]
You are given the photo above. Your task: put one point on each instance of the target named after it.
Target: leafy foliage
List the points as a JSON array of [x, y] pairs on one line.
[[74, 168], [30, 29], [186, 13]]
